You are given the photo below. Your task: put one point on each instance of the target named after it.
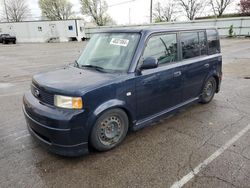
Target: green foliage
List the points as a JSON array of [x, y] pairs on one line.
[[231, 31], [222, 16], [158, 20]]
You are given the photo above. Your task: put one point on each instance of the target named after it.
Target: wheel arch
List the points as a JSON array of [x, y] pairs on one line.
[[216, 76], [108, 105], [217, 82]]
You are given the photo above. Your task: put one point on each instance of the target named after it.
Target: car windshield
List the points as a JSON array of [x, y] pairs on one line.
[[109, 52]]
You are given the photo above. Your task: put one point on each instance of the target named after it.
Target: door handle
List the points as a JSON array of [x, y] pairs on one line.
[[177, 74], [206, 65]]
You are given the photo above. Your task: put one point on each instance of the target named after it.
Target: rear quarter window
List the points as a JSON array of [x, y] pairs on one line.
[[213, 42]]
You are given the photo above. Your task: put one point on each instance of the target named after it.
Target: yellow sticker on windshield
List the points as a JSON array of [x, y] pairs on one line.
[[119, 42]]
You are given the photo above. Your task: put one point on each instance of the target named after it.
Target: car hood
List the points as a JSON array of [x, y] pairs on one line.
[[71, 80], [8, 37]]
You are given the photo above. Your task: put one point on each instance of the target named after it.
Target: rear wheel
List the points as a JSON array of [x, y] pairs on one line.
[[109, 130], [208, 90]]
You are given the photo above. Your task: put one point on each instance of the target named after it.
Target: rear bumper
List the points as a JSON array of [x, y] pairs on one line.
[[63, 138]]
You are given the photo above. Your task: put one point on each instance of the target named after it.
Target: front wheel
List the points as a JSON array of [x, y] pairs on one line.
[[109, 130], [208, 91]]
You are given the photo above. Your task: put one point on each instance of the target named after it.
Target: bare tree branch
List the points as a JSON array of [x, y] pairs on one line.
[[219, 6], [56, 9], [17, 10], [245, 7], [192, 7], [97, 10], [164, 13]]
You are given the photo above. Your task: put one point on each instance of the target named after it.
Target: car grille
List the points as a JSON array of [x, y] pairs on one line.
[[42, 95]]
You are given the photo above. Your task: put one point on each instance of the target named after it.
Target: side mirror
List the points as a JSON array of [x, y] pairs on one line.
[[149, 63]]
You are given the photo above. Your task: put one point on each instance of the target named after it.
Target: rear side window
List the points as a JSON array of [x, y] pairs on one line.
[[162, 47], [213, 42], [190, 45]]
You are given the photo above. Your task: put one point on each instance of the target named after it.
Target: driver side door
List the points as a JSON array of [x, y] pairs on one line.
[[159, 89]]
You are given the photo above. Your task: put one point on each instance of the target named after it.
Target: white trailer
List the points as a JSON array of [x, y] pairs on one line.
[[45, 31]]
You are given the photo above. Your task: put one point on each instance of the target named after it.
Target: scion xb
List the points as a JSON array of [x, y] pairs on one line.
[[124, 80]]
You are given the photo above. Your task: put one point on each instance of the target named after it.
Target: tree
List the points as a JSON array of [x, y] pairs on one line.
[[16, 10], [56, 9], [164, 13], [219, 6], [192, 7], [97, 10], [245, 7], [231, 31]]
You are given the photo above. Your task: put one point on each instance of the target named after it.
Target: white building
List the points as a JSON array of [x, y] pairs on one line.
[[241, 26], [45, 31]]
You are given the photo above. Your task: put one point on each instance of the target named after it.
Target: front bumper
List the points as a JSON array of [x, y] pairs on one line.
[[10, 40], [59, 131]]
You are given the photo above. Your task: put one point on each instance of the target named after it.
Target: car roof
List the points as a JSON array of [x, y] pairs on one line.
[[152, 29]]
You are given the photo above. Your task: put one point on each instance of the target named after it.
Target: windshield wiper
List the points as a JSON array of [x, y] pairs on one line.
[[94, 67]]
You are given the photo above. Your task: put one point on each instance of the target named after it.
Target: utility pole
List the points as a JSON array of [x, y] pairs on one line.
[[5, 6], [129, 17], [151, 10]]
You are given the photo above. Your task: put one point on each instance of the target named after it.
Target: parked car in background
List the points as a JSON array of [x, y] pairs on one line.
[[6, 39], [124, 80]]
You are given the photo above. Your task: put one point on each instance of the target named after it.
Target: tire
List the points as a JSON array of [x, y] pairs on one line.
[[4, 42], [109, 130], [208, 91], [14, 42]]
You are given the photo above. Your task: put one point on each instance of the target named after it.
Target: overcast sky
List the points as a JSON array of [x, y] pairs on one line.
[[139, 10]]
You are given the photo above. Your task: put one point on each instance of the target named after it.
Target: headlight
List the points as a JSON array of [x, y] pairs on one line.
[[68, 102]]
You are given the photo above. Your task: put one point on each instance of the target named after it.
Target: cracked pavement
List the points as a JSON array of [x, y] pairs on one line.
[[155, 156]]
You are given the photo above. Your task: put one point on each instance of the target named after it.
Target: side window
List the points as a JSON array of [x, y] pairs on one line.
[[213, 42], [162, 47], [40, 29], [70, 27], [203, 43], [190, 45]]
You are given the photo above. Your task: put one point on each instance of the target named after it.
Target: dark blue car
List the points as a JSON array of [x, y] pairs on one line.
[[124, 80]]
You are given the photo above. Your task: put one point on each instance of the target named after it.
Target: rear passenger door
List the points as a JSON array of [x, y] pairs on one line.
[[213, 41], [159, 89], [196, 65]]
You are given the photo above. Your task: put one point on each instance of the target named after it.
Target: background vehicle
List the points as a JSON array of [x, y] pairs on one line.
[[6, 39], [124, 79]]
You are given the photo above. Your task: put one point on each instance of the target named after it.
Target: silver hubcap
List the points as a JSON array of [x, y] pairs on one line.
[[110, 130], [208, 90]]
